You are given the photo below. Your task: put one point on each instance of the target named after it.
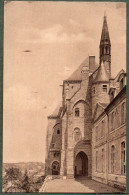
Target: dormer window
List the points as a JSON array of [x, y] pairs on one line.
[[121, 84], [112, 96], [77, 112], [104, 88]]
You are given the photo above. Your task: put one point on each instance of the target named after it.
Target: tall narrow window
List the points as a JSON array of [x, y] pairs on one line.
[[102, 160], [102, 128], [113, 120], [123, 159], [58, 131], [77, 112], [112, 159], [106, 49], [123, 113], [104, 88], [96, 160]]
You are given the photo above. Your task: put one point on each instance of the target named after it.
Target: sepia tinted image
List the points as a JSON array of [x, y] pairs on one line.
[[64, 109]]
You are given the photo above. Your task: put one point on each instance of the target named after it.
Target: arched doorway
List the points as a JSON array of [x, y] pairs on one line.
[[55, 168], [81, 164]]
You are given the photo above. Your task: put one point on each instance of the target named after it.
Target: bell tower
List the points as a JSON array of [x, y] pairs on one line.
[[105, 47]]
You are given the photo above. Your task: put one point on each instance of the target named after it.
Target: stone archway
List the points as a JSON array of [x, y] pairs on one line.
[[81, 165], [55, 168]]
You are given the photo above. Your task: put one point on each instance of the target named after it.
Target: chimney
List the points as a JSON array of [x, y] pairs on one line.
[[92, 63]]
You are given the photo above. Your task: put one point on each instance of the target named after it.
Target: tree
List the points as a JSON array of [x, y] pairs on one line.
[[11, 180], [25, 182]]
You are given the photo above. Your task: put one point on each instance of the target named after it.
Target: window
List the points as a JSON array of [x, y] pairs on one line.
[[123, 159], [77, 112], [96, 160], [93, 90], [121, 84], [53, 145], [102, 160], [77, 134], [56, 154], [113, 121], [102, 50], [96, 133], [123, 113], [58, 131], [112, 159], [112, 96], [106, 49], [102, 129], [104, 88]]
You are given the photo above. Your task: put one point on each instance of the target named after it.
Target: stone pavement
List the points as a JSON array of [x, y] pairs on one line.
[[78, 186]]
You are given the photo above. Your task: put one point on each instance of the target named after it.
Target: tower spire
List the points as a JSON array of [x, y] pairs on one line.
[[105, 46]]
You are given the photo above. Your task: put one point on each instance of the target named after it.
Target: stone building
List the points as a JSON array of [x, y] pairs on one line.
[[86, 134]]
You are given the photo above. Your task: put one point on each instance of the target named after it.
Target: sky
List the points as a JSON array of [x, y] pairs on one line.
[[44, 42]]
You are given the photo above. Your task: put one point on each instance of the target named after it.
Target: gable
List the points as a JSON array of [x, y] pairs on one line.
[[98, 111]]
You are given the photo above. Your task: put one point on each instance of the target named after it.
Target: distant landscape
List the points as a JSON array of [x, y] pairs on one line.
[[23, 177]]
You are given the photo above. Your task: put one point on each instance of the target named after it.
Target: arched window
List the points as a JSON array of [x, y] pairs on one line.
[[55, 168], [123, 113], [58, 131], [112, 159], [77, 134], [77, 112], [123, 159]]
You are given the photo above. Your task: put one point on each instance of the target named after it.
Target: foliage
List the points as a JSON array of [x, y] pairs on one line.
[[25, 182], [16, 181], [12, 178]]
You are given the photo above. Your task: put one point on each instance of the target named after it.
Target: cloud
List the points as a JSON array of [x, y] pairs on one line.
[[56, 34]]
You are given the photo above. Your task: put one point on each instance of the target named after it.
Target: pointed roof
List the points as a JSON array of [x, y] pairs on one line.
[[76, 75], [102, 74], [105, 33], [56, 113]]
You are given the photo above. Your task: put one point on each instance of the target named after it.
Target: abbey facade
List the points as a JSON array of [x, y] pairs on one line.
[[86, 135]]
